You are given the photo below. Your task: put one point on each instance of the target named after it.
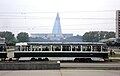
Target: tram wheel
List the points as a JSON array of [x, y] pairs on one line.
[[17, 59], [40, 59], [3, 59], [107, 60], [76, 60], [33, 59], [82, 59], [88, 59], [10, 59], [46, 59]]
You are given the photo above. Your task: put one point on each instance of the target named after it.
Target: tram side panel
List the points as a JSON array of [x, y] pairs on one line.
[[60, 54], [3, 54]]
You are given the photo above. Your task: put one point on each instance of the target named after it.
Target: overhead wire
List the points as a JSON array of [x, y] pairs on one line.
[[23, 15], [31, 12]]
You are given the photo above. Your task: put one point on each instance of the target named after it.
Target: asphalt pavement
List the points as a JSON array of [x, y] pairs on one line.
[[90, 65], [60, 73]]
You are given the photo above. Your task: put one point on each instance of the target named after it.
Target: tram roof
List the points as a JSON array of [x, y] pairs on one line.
[[55, 43]]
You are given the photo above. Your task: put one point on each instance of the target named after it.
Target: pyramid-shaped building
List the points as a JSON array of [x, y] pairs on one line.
[[56, 34], [57, 26]]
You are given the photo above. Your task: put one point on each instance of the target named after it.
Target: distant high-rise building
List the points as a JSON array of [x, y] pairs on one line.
[[57, 26], [56, 34], [118, 24]]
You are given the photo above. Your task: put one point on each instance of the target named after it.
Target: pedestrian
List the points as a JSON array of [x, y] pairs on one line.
[[111, 52]]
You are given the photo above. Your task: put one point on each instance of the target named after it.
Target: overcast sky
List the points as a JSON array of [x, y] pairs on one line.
[[77, 16]]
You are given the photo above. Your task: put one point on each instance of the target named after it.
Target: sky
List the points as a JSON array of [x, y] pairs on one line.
[[76, 16]]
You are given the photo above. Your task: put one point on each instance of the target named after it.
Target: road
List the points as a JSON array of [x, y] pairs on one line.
[[61, 73], [67, 72], [90, 65]]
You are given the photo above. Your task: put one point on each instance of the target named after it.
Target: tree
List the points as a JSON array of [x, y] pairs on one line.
[[110, 35], [9, 37], [76, 38], [95, 36], [90, 37], [23, 37]]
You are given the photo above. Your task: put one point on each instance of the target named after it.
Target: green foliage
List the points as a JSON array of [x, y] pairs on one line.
[[108, 42], [9, 37], [23, 37], [95, 36], [90, 37], [116, 55], [110, 35]]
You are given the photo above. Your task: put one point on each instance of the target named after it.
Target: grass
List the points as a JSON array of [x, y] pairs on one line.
[[115, 55]]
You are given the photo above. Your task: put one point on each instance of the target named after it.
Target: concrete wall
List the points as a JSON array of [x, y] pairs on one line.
[[29, 66]]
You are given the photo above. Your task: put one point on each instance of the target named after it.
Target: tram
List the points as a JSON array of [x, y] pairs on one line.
[[76, 51], [3, 52]]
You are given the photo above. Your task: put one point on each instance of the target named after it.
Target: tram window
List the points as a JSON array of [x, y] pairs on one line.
[[24, 48], [66, 48], [56, 48], [27, 48], [4, 48], [36, 48], [104, 48], [1, 48], [79, 48], [39, 48], [76, 48], [46, 48], [17, 48], [96, 48], [73, 48], [86, 48]]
